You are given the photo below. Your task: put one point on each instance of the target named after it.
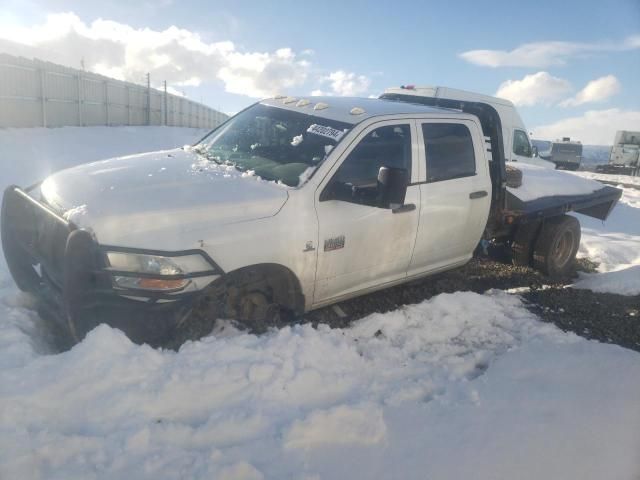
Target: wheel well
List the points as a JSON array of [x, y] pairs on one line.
[[272, 278]]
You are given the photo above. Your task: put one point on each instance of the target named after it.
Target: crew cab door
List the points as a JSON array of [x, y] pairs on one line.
[[360, 244], [455, 194]]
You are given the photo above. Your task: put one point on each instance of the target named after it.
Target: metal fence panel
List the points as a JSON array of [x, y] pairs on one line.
[[34, 93]]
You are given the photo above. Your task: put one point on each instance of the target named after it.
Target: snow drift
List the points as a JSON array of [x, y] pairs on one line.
[[460, 386]]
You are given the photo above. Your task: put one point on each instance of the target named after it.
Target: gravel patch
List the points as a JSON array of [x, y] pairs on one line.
[[605, 317]]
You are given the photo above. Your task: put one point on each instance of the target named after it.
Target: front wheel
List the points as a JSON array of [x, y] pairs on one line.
[[243, 297], [556, 246]]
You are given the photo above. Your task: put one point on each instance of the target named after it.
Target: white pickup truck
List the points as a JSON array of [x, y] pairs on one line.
[[291, 205]]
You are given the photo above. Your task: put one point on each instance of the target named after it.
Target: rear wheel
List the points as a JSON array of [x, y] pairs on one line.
[[523, 243], [556, 246]]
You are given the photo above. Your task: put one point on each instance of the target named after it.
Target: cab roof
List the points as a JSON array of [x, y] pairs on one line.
[[448, 93], [351, 110]]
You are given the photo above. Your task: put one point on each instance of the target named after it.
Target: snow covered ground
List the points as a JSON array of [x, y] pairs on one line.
[[606, 177], [460, 386], [30, 154], [615, 244]]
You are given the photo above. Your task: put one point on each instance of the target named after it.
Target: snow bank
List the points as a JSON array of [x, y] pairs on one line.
[[539, 182], [622, 282], [421, 392], [615, 244], [31, 154], [460, 386], [621, 179]]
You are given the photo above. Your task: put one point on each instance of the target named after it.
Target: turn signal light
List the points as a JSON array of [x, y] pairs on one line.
[[159, 284]]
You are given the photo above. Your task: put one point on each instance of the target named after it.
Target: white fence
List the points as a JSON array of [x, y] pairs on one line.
[[34, 93]]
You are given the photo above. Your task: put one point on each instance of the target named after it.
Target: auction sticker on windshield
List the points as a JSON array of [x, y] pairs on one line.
[[328, 132]]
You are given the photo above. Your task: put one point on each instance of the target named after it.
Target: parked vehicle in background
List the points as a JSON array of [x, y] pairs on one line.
[[625, 155], [565, 154], [517, 146], [290, 205]]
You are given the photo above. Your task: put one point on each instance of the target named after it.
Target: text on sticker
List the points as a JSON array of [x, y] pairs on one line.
[[326, 132]]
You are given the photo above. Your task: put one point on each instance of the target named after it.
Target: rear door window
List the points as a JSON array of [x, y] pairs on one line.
[[449, 151]]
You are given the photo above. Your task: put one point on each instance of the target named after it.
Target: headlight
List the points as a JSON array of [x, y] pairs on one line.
[[158, 266]]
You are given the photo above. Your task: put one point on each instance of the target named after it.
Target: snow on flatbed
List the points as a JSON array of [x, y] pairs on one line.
[[540, 182], [460, 386]]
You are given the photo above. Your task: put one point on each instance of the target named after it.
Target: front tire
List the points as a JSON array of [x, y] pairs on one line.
[[244, 297], [555, 249]]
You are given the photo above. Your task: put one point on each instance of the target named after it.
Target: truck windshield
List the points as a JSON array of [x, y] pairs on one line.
[[275, 143]]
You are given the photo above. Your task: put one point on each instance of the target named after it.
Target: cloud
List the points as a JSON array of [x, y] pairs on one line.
[[534, 89], [263, 74], [177, 55], [595, 127], [596, 91], [544, 54], [345, 84]]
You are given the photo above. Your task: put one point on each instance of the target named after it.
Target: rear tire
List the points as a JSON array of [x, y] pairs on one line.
[[555, 248], [523, 243]]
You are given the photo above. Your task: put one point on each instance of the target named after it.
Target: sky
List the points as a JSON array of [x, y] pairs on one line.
[[571, 67]]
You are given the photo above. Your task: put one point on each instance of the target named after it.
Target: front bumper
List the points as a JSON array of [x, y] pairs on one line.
[[65, 268]]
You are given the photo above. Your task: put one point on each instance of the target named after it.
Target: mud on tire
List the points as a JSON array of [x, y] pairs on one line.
[[523, 243], [245, 297], [556, 246]]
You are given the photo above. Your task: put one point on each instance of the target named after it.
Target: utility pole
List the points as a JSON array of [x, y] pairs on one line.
[[148, 99], [165, 103]]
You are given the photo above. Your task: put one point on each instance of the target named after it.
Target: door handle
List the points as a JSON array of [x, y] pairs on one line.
[[478, 194], [407, 207]]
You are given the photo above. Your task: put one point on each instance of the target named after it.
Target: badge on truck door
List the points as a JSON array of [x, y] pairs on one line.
[[335, 243]]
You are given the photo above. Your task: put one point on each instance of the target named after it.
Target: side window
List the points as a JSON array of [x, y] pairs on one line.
[[357, 178], [521, 144], [449, 151]]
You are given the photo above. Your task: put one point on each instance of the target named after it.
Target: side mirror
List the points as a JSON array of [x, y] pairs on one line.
[[534, 151], [392, 186]]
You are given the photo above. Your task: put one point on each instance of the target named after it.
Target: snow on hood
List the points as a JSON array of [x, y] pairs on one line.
[[539, 182], [126, 199]]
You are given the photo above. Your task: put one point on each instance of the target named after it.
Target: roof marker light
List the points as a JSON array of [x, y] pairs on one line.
[[356, 111], [320, 106], [408, 87], [302, 103], [289, 100]]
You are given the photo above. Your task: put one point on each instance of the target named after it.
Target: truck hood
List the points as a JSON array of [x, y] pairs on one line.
[[144, 200]]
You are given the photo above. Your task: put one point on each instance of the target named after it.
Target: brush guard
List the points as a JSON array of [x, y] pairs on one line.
[[65, 269]]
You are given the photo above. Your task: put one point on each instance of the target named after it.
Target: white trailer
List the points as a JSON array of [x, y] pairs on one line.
[[625, 154]]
